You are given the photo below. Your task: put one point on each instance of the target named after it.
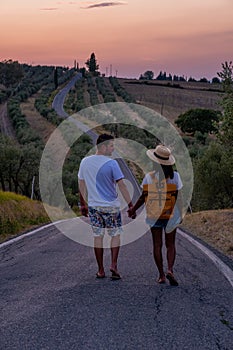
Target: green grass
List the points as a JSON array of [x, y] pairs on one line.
[[19, 213]]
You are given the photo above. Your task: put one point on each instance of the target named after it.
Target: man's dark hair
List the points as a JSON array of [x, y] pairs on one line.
[[103, 138]]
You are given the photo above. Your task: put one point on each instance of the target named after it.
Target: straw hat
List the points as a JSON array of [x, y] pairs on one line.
[[162, 155]]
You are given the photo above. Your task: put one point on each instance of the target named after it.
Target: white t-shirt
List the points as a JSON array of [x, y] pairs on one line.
[[176, 180], [100, 174]]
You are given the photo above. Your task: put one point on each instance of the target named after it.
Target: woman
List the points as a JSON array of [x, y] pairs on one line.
[[165, 182]]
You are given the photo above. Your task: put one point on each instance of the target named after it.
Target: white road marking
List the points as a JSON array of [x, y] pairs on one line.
[[18, 238], [226, 271]]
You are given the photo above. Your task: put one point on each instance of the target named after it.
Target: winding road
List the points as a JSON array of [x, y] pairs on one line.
[[50, 298]]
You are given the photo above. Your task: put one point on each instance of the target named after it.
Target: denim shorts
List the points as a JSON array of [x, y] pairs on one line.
[[105, 218], [157, 223]]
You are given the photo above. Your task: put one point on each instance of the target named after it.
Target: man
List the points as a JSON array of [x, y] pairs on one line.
[[98, 176]]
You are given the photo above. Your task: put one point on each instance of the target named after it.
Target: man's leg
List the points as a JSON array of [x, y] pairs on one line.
[[99, 253], [114, 227], [157, 250], [115, 247]]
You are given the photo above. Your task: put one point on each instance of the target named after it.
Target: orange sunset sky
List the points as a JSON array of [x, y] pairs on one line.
[[184, 37]]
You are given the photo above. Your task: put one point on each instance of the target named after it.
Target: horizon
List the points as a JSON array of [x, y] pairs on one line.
[[128, 37], [117, 75]]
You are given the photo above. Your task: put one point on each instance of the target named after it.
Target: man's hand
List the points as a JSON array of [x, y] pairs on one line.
[[84, 211]]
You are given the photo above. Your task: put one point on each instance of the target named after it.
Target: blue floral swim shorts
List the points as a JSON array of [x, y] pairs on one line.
[[108, 218]]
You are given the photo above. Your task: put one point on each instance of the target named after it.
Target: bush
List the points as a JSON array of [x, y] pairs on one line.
[[213, 179]]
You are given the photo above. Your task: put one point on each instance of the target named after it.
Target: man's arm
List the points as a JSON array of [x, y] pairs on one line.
[[83, 197], [125, 192]]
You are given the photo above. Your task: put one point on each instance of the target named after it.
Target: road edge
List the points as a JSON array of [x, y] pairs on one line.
[[217, 258]]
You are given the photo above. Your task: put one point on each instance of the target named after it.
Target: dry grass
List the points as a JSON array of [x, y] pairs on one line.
[[19, 213], [214, 227], [36, 121]]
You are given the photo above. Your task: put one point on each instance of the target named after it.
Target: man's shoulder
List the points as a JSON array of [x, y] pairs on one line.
[[88, 158], [95, 159]]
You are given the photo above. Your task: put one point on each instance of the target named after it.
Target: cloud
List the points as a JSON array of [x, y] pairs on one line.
[[104, 4], [49, 9], [66, 3]]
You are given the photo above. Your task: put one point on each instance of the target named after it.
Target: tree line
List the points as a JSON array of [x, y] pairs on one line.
[[163, 76]]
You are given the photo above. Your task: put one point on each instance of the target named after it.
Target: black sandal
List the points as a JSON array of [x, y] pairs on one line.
[[172, 280]]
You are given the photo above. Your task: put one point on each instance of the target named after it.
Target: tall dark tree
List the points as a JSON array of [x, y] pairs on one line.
[[92, 65], [55, 77], [226, 76]]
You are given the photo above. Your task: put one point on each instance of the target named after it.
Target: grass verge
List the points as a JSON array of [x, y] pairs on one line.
[[19, 214], [215, 227]]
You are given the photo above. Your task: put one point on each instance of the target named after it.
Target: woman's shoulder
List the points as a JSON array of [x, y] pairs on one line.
[[177, 175]]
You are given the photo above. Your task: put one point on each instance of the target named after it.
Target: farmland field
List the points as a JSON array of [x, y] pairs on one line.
[[172, 101]]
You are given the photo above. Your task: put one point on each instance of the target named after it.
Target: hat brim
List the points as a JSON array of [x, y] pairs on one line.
[[151, 155]]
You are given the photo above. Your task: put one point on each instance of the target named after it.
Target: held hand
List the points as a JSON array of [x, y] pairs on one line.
[[131, 213]]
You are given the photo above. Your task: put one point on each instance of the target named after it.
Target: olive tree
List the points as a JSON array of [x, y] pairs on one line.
[[202, 120]]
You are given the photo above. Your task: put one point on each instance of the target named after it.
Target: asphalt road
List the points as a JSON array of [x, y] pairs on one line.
[[50, 298], [59, 99]]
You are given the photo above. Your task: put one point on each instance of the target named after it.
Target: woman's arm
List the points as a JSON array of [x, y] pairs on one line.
[[179, 202], [138, 204]]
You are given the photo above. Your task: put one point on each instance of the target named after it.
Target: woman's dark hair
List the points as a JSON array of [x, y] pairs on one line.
[[103, 138], [164, 170]]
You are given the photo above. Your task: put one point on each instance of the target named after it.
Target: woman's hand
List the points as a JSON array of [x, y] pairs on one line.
[[131, 213]]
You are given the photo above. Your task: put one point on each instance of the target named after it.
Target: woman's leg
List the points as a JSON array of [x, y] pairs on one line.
[[171, 249], [157, 233], [171, 255]]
